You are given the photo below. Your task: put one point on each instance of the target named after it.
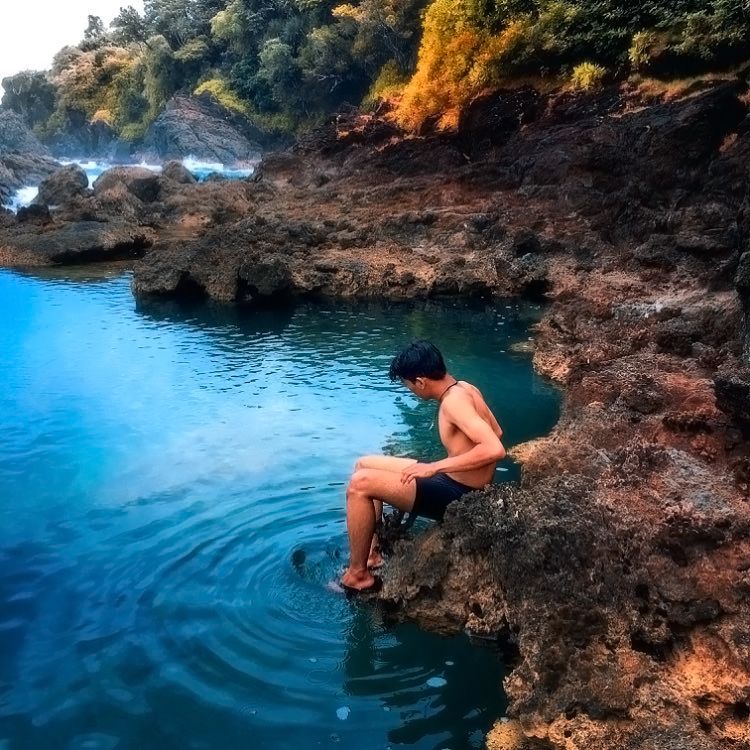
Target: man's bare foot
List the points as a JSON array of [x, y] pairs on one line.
[[375, 560], [357, 580]]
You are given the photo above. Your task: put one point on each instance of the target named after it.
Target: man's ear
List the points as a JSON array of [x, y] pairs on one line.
[[419, 382]]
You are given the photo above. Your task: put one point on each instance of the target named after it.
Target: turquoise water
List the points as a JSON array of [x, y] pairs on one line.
[[171, 507]]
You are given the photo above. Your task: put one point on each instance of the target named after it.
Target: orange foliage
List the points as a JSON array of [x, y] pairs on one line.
[[456, 61]]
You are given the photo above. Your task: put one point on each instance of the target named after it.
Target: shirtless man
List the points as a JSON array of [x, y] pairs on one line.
[[471, 437]]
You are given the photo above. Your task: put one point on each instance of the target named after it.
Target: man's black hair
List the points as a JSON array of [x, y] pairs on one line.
[[420, 359]]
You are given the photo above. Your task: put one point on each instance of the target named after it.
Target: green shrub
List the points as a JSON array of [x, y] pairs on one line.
[[134, 131], [222, 92], [587, 76], [161, 75], [641, 47], [276, 122]]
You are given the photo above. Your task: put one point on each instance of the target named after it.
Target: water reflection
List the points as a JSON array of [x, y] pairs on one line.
[[431, 690]]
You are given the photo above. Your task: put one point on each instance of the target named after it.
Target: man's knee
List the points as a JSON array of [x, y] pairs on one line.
[[359, 483], [363, 462]]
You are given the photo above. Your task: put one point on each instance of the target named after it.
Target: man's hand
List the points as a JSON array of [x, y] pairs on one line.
[[417, 471]]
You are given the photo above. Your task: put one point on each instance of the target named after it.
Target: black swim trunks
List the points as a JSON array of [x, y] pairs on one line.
[[435, 494]]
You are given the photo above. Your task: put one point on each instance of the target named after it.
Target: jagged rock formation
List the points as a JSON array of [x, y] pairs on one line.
[[23, 159], [84, 138], [202, 128]]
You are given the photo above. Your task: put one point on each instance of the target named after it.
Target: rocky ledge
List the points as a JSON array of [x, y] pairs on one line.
[[618, 569]]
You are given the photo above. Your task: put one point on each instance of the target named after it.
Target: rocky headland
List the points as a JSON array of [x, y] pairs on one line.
[[23, 159], [618, 570], [200, 127]]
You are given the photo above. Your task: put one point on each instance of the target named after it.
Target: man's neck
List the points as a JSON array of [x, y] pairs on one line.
[[441, 386]]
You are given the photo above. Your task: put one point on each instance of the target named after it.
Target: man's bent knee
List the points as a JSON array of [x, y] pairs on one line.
[[362, 463], [359, 483]]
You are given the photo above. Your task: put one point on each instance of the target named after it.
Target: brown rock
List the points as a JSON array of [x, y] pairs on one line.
[[139, 181], [62, 186], [176, 171], [733, 394], [79, 242], [33, 214]]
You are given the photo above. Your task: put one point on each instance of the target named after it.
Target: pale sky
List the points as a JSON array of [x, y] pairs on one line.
[[31, 31]]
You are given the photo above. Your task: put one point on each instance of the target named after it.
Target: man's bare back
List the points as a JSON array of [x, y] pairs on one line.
[[456, 442]]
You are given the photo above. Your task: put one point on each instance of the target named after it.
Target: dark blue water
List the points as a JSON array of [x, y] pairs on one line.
[[171, 509]]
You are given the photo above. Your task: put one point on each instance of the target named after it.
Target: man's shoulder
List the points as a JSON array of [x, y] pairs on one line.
[[470, 387], [458, 398]]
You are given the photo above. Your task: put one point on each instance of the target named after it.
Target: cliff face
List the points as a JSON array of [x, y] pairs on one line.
[[619, 566], [200, 127], [23, 159]]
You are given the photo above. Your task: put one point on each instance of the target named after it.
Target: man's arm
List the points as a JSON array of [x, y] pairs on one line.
[[496, 426], [488, 449]]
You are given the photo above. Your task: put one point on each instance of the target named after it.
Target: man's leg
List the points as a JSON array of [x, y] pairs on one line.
[[386, 463], [365, 486]]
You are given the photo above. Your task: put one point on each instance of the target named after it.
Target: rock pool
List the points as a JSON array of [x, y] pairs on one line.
[[171, 505]]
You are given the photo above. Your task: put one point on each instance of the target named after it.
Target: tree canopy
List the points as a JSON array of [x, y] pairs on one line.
[[291, 62]]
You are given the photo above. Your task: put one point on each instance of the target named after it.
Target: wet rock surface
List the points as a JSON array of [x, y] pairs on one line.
[[179, 173], [37, 240], [618, 568], [138, 181]]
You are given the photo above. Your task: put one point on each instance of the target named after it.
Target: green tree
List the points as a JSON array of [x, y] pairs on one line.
[[281, 73], [191, 59], [178, 21], [129, 27], [31, 95], [385, 30], [160, 75], [327, 66], [94, 35]]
